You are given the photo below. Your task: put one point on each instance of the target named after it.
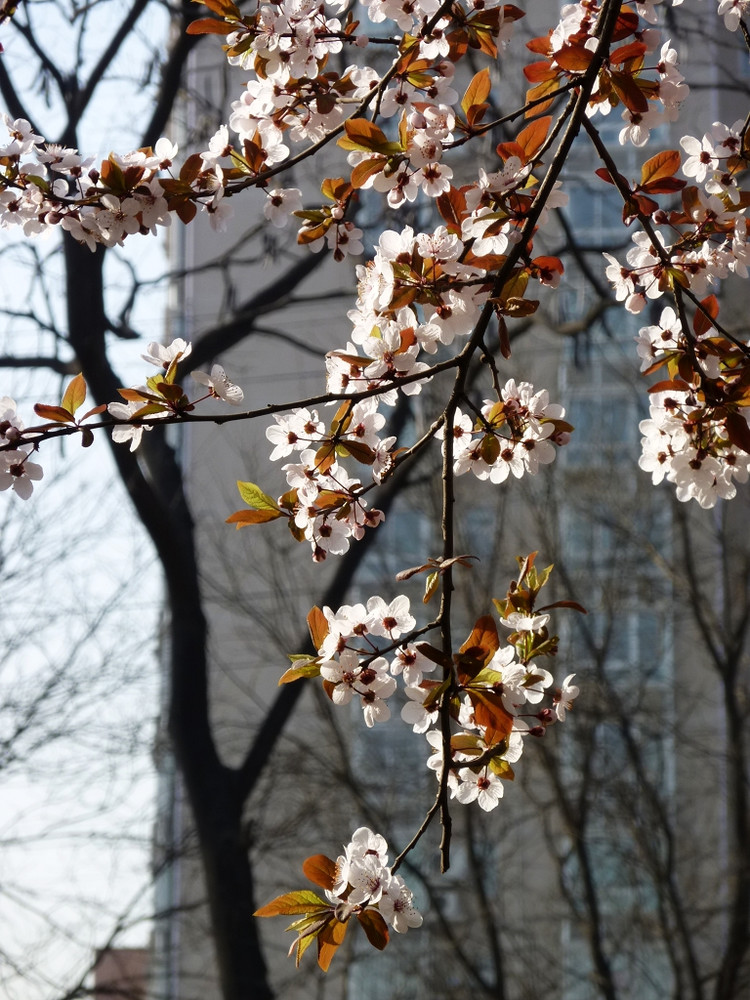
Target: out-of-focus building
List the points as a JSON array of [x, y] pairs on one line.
[[121, 974]]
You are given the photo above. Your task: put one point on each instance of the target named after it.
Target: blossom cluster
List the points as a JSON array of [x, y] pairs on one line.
[[324, 503], [16, 471], [646, 102], [686, 445], [491, 705], [158, 398], [46, 185], [350, 664], [364, 879], [515, 434], [480, 762], [697, 433]]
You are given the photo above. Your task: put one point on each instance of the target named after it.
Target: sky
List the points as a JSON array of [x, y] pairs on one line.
[[81, 599]]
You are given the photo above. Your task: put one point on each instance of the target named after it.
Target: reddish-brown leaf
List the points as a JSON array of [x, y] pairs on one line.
[[476, 113], [317, 624], [504, 336], [665, 164], [535, 93], [573, 605], [434, 654], [483, 641], [539, 71], [364, 134], [320, 870], [329, 939], [452, 207], [627, 23], [670, 385], [629, 93], [491, 716], [374, 927], [478, 90], [57, 413], [738, 431], [224, 8], [359, 451], [574, 56], [507, 149], [209, 26], [531, 139], [633, 50], [244, 517], [701, 322], [191, 168], [540, 45], [366, 169]]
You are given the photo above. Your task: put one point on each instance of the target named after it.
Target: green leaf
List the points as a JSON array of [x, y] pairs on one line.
[[255, 497], [430, 586], [301, 901], [310, 668], [502, 769]]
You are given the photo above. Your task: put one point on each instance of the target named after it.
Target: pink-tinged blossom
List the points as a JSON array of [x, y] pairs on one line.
[[347, 621], [656, 341], [565, 696], [123, 433], [397, 905], [364, 844], [23, 138], [733, 11], [343, 674], [219, 147], [620, 277], [294, 433], [220, 386], [345, 240], [383, 461], [163, 355], [412, 664], [280, 204], [414, 713], [518, 622], [390, 620], [372, 683], [219, 214], [363, 878], [638, 126], [18, 473], [328, 534], [367, 878], [484, 788], [10, 426]]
